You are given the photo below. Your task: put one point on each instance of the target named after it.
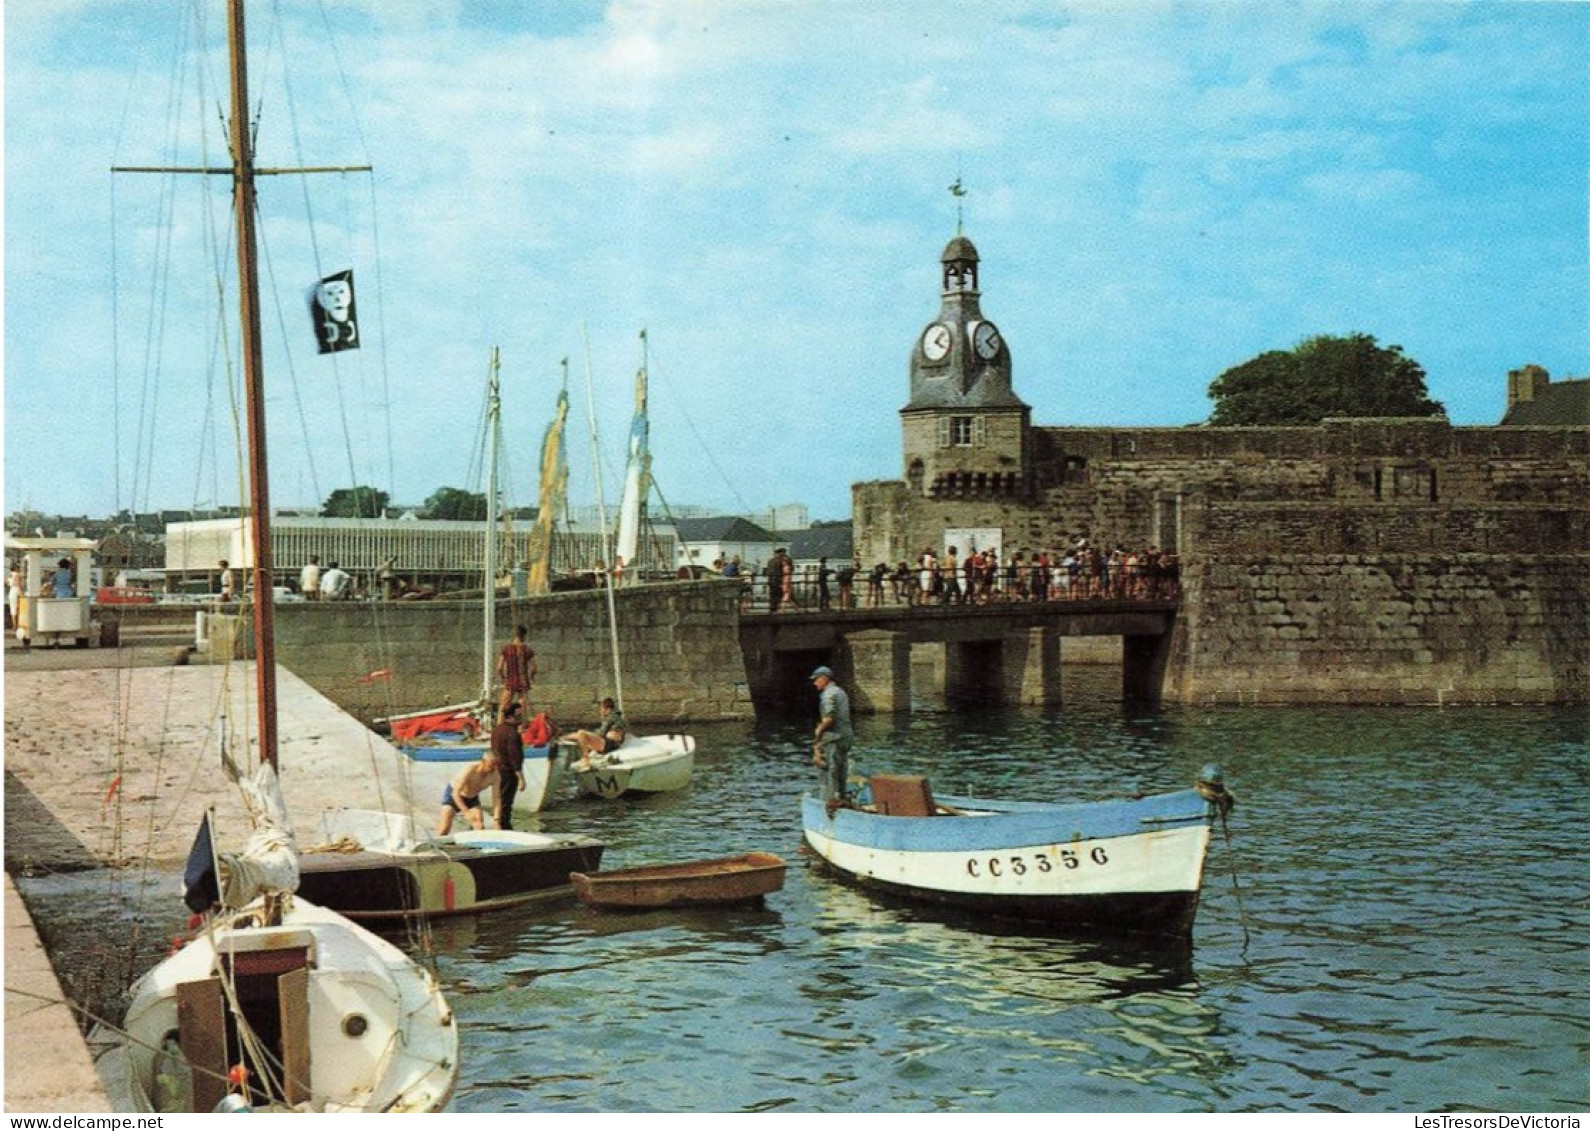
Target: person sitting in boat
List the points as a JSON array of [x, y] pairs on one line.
[[604, 736], [462, 794]]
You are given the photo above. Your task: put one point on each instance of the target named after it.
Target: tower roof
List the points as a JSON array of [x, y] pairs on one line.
[[958, 249]]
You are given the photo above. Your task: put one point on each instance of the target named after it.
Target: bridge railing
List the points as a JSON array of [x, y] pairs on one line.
[[807, 589]]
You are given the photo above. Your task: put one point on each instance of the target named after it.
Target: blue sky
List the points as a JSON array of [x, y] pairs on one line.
[[1158, 192]]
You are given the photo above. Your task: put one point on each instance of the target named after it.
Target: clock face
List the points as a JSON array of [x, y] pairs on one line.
[[985, 339], [936, 341]]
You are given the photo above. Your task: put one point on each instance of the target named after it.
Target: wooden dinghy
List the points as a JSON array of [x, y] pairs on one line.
[[730, 879]]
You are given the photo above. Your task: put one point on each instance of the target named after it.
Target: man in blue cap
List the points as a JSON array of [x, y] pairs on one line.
[[831, 742]]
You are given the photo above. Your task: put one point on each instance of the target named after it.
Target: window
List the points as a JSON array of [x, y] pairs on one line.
[[962, 432]]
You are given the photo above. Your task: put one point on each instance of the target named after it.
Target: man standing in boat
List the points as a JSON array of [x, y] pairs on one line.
[[516, 669], [508, 745], [831, 742]]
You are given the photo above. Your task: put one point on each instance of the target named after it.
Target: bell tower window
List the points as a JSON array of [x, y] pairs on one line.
[[962, 432], [960, 276]]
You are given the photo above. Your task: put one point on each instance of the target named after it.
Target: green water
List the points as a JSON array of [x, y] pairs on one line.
[[1409, 935]]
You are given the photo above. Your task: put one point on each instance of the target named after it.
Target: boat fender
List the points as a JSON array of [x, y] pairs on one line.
[[449, 894], [1211, 786]]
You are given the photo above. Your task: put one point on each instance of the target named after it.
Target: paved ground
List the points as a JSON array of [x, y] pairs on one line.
[[48, 1069], [119, 761]]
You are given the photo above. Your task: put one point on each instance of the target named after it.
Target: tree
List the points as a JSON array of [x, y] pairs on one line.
[[1321, 377], [355, 502], [451, 502]]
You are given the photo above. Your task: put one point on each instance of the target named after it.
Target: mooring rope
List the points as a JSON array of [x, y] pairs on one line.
[[1214, 791]]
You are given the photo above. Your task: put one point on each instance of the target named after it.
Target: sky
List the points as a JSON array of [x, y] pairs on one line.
[[1158, 192]]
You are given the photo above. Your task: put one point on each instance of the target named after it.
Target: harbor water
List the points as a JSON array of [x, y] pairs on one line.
[[1397, 921]]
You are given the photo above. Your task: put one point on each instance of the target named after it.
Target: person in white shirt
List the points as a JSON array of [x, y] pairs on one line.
[[309, 579], [334, 583]]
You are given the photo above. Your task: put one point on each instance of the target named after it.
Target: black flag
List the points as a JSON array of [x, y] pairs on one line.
[[336, 318], [201, 885]]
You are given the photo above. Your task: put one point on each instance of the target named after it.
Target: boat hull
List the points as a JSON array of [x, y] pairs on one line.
[[433, 766], [658, 763], [468, 872], [731, 879], [361, 1026], [1114, 867]]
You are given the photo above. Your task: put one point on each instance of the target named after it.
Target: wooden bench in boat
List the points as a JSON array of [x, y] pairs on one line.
[[908, 795], [902, 795]]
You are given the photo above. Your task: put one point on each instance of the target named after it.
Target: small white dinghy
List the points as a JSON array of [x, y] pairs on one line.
[[653, 763]]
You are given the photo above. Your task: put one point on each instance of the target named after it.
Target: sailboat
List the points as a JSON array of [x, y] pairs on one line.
[[443, 740], [275, 1003], [657, 763], [380, 865]]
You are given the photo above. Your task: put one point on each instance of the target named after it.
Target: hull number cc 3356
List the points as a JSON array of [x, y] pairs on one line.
[[997, 866]]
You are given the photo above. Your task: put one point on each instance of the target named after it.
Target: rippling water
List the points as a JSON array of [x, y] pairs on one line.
[[1410, 934]]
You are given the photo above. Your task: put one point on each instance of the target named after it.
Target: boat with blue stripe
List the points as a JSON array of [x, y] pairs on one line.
[[1131, 866]]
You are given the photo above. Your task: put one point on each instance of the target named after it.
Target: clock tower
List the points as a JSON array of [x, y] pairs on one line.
[[965, 429]]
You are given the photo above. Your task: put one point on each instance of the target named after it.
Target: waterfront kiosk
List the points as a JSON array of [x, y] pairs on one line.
[[45, 610]]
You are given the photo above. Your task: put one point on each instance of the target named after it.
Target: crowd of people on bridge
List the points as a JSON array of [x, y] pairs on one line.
[[1085, 571]]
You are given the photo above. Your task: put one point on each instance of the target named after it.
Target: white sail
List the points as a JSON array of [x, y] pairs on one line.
[[637, 481]]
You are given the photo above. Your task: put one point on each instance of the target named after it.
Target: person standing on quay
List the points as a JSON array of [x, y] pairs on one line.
[[335, 583], [309, 580], [832, 740], [14, 584]]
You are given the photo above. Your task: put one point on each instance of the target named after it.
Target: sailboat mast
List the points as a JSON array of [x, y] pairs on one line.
[[253, 389], [601, 513], [489, 592]]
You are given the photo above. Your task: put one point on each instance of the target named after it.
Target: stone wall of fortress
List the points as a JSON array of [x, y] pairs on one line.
[[1397, 561], [681, 655]]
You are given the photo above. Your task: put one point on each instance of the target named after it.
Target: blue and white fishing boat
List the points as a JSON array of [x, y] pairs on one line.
[[1106, 867]]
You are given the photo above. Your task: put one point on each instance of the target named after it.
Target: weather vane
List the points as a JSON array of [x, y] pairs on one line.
[[957, 190]]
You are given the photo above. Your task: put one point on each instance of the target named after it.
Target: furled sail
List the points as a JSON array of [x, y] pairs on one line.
[[554, 483], [268, 863], [637, 481]]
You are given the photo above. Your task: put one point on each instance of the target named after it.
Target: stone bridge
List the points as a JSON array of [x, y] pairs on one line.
[[890, 656]]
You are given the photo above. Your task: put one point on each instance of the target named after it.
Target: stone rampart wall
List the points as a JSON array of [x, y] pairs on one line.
[[1431, 628], [1222, 529], [678, 642], [1290, 537]]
